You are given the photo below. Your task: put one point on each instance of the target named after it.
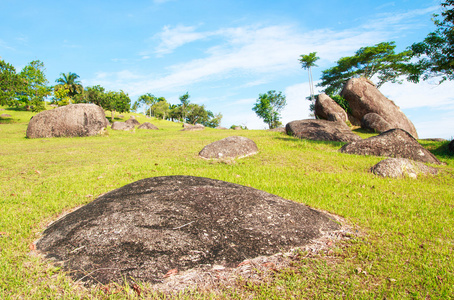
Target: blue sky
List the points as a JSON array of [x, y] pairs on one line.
[[224, 53]]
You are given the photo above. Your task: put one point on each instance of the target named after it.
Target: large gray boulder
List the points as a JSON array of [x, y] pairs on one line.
[[68, 121], [229, 147], [402, 167], [363, 97], [394, 143], [141, 231], [373, 122], [321, 130], [327, 109], [133, 121], [189, 127]]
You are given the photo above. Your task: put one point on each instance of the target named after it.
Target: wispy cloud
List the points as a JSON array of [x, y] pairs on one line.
[[173, 37]]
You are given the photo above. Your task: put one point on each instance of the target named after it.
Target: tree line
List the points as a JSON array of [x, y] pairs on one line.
[[29, 90]]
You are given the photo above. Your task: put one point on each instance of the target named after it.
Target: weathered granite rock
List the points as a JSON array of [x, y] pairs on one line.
[[122, 126], [402, 167], [395, 143], [189, 127], [327, 109], [373, 122], [363, 98], [229, 147], [147, 125], [321, 130], [74, 120], [5, 116], [141, 231], [133, 121]]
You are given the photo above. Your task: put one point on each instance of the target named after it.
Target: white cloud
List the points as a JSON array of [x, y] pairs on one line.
[[172, 38]]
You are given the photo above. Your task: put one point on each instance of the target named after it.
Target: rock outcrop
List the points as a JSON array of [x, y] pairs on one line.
[[402, 167], [76, 120], [122, 126], [327, 109], [147, 125], [133, 121], [189, 127], [373, 122], [321, 130], [230, 147], [394, 143], [145, 229], [363, 98]]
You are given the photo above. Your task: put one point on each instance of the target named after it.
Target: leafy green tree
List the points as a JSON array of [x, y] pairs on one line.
[[116, 102], [307, 62], [214, 120], [74, 86], [149, 100], [95, 94], [160, 109], [10, 84], [379, 60], [61, 97], [436, 52], [268, 107], [184, 99], [175, 112], [36, 88]]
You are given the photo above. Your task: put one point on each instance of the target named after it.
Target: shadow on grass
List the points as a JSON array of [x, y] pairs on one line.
[[298, 140]]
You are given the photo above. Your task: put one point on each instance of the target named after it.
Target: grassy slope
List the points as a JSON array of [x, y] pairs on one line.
[[406, 252]]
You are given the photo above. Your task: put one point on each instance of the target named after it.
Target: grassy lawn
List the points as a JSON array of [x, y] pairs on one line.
[[404, 251]]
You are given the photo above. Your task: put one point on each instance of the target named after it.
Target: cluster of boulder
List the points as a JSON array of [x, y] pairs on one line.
[[374, 112]]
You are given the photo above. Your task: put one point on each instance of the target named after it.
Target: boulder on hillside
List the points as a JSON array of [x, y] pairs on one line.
[[395, 143], [402, 167], [373, 122], [145, 229], [230, 147], [68, 121], [327, 109], [237, 128], [189, 127], [6, 116], [278, 129], [321, 130], [363, 97], [147, 125], [132, 120], [122, 126]]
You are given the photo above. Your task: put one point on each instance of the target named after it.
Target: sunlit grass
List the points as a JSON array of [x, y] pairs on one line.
[[405, 249]]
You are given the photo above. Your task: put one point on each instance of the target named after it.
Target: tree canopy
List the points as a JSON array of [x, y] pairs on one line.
[[307, 62], [10, 83], [35, 89], [69, 81], [379, 62], [436, 53], [268, 107]]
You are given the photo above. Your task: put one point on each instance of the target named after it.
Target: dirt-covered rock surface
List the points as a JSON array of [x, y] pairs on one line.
[[373, 122], [230, 147], [402, 167], [394, 143], [156, 227], [74, 120], [321, 130]]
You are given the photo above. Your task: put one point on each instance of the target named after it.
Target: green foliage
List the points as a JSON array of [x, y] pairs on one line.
[[10, 83], [95, 94], [307, 62], [70, 82], [148, 100], [436, 52], [34, 92], [268, 107], [160, 109], [379, 60], [184, 99], [342, 102]]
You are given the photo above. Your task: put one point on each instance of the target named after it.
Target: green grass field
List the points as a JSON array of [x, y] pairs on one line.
[[404, 251]]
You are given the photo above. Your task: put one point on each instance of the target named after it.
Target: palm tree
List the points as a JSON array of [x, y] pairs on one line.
[[70, 82], [307, 62]]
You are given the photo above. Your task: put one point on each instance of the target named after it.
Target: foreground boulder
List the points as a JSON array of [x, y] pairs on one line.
[[395, 143], [363, 98], [321, 130], [230, 147], [147, 125], [68, 121], [327, 109], [402, 167], [122, 126], [145, 229]]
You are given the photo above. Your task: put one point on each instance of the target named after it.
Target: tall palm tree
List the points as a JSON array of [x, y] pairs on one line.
[[70, 82], [307, 62]]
